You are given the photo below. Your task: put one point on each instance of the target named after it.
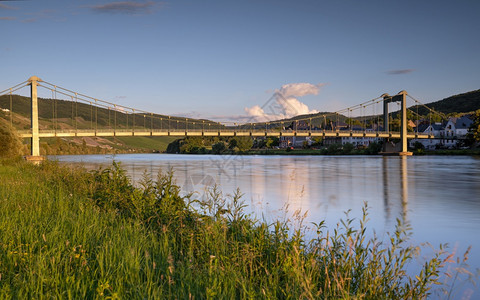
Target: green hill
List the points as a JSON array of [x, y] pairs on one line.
[[461, 103], [84, 116], [64, 114]]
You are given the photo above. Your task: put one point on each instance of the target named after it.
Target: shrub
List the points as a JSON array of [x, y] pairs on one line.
[[218, 148], [10, 143]]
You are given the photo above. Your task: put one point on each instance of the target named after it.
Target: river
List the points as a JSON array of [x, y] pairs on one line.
[[438, 195]]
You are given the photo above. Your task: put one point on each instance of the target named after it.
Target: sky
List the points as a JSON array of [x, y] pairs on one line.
[[230, 60]]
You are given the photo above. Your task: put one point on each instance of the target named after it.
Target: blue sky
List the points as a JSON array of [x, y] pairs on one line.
[[221, 59]]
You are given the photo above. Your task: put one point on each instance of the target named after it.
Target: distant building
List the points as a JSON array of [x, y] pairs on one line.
[[294, 141], [456, 130], [356, 141], [447, 135]]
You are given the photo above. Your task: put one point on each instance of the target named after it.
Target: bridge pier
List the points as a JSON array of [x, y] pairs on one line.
[[35, 140], [400, 97]]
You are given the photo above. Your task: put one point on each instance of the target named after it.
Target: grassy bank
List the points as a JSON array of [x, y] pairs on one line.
[[69, 233], [146, 144]]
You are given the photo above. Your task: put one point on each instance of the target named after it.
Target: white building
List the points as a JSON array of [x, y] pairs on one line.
[[447, 135], [455, 130]]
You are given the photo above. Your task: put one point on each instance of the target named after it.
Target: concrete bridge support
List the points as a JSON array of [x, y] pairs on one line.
[[35, 141], [400, 97]]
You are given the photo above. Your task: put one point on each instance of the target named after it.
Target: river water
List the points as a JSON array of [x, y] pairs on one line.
[[438, 195]]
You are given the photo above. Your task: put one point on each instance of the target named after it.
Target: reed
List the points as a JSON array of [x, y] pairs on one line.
[[70, 233]]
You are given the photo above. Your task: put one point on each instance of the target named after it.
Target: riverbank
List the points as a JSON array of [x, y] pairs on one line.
[[472, 152], [94, 234], [339, 151]]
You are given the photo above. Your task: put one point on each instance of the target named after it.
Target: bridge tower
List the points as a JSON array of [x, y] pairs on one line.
[[400, 97], [35, 141]]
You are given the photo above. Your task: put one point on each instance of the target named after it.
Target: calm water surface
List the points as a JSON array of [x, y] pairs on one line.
[[438, 195]]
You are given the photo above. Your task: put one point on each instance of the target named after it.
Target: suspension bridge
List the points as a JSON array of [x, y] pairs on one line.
[[74, 114]]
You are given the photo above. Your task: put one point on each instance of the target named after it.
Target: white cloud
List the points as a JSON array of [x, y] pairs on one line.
[[299, 89], [254, 111], [284, 103]]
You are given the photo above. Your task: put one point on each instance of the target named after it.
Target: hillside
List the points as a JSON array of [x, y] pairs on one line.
[[65, 112], [461, 103], [71, 115]]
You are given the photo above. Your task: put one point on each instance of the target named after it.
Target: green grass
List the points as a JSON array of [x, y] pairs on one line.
[[69, 233], [147, 143]]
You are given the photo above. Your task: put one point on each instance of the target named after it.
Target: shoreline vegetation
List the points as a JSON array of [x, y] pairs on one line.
[[241, 146], [94, 234]]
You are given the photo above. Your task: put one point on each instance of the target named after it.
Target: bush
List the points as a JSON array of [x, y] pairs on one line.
[[418, 146], [244, 143], [333, 149], [10, 143], [174, 147], [374, 148], [218, 148], [347, 148]]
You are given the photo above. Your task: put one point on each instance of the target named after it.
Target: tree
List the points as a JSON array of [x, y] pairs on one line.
[[374, 148], [333, 149], [305, 145], [474, 130], [174, 147], [259, 143], [191, 145], [347, 148], [232, 143], [218, 147], [10, 143], [244, 143], [317, 141], [272, 142], [418, 146]]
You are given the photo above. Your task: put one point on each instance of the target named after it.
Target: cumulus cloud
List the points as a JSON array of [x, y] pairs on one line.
[[284, 103], [254, 111], [400, 71], [299, 89], [125, 7]]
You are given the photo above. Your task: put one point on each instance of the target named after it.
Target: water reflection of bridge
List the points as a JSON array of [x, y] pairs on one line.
[[403, 182]]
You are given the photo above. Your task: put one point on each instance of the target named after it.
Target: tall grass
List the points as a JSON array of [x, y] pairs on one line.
[[69, 233]]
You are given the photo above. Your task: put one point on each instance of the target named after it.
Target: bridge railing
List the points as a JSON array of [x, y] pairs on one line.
[[257, 132]]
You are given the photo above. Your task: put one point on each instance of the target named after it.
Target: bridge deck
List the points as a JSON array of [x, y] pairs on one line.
[[222, 132]]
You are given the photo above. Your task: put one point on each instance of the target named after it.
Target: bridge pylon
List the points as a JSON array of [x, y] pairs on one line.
[[400, 97], [35, 140]]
